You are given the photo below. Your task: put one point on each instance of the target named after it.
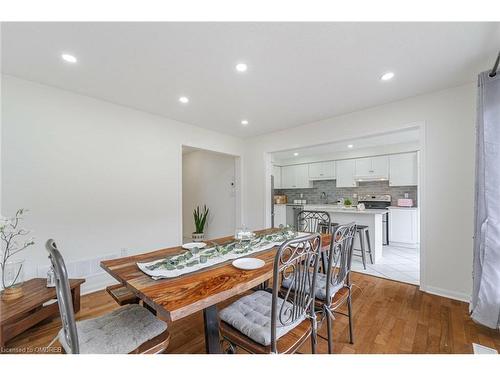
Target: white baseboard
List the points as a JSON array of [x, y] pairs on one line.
[[94, 283], [404, 244], [464, 297]]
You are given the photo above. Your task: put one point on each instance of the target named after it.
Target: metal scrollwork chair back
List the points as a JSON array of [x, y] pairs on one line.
[[337, 278], [313, 221], [339, 257], [296, 260], [64, 300]]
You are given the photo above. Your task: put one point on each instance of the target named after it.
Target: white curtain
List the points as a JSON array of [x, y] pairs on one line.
[[485, 305]]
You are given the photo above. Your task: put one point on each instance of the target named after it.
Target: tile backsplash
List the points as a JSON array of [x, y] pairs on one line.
[[313, 195]]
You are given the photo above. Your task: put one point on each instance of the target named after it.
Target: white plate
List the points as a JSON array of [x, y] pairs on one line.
[[248, 263], [190, 245]]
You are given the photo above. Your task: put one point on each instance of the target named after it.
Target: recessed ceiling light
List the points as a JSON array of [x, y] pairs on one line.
[[184, 99], [241, 67], [387, 76], [244, 122], [295, 154], [69, 58], [350, 146]]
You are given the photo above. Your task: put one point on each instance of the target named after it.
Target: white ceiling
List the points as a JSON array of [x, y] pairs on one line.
[[393, 138], [298, 72]]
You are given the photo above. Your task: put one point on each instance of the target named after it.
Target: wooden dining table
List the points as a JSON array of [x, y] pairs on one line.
[[175, 298]]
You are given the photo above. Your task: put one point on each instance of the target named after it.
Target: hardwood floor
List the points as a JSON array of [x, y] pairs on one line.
[[389, 317]]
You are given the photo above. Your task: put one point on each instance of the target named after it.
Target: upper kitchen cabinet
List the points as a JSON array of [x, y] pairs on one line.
[[322, 171], [345, 173], [403, 169], [277, 176], [372, 168], [295, 177]]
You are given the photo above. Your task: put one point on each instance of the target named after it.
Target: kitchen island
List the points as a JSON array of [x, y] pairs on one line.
[[370, 217]]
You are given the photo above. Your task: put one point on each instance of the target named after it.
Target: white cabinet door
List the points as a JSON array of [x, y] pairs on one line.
[[376, 167], [363, 167], [279, 215], [403, 226], [295, 176], [403, 169], [302, 176], [380, 166], [345, 170], [287, 177], [277, 176], [322, 171]]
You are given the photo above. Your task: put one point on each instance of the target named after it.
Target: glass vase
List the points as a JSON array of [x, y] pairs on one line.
[[13, 274]]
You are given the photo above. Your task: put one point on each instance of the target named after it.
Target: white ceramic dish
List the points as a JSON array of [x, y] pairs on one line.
[[190, 245], [248, 263]]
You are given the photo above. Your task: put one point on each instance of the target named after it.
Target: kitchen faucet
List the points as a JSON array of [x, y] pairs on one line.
[[324, 196]]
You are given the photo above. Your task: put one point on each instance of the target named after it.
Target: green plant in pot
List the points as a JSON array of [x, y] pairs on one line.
[[347, 202], [200, 220]]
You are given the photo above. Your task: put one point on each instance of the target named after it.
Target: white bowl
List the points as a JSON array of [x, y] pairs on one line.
[[190, 245], [248, 263]]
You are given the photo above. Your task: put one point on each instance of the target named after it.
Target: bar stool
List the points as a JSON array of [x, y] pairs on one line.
[[363, 232]]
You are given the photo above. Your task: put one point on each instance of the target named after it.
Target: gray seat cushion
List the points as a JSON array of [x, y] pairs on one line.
[[251, 315], [320, 290], [119, 332]]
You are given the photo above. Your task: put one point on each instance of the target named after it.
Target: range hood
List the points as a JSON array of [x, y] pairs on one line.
[[370, 178]]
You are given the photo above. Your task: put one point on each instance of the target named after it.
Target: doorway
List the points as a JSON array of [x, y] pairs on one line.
[[209, 178]]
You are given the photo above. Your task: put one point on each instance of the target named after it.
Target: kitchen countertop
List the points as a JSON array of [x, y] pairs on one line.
[[335, 208]]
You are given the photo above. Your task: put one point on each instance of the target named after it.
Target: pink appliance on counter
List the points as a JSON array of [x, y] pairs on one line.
[[405, 202]]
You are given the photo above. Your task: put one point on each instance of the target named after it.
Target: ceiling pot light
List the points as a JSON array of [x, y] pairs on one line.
[[387, 76], [350, 146], [295, 154], [69, 58], [241, 67], [244, 122], [184, 99]]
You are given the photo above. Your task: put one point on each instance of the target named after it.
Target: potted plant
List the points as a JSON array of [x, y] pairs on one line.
[[200, 219], [12, 270], [347, 202]]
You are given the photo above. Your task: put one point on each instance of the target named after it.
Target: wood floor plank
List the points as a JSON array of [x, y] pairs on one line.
[[389, 317]]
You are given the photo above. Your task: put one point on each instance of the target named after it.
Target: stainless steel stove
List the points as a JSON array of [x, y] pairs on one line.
[[381, 202], [375, 201]]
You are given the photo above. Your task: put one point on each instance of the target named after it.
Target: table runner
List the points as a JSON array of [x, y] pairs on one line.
[[197, 259]]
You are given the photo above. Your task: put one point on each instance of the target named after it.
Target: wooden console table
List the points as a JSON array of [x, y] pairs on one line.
[[18, 315]]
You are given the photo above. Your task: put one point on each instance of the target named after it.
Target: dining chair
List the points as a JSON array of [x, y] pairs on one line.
[[263, 322], [313, 221], [333, 289], [128, 329]]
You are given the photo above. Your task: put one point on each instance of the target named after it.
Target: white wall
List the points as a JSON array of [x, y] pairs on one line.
[[208, 178], [97, 177], [447, 181]]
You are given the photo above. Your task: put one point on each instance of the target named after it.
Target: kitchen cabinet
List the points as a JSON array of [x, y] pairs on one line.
[[404, 226], [324, 170], [277, 176], [403, 170], [345, 170], [295, 177], [376, 167], [279, 215]]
